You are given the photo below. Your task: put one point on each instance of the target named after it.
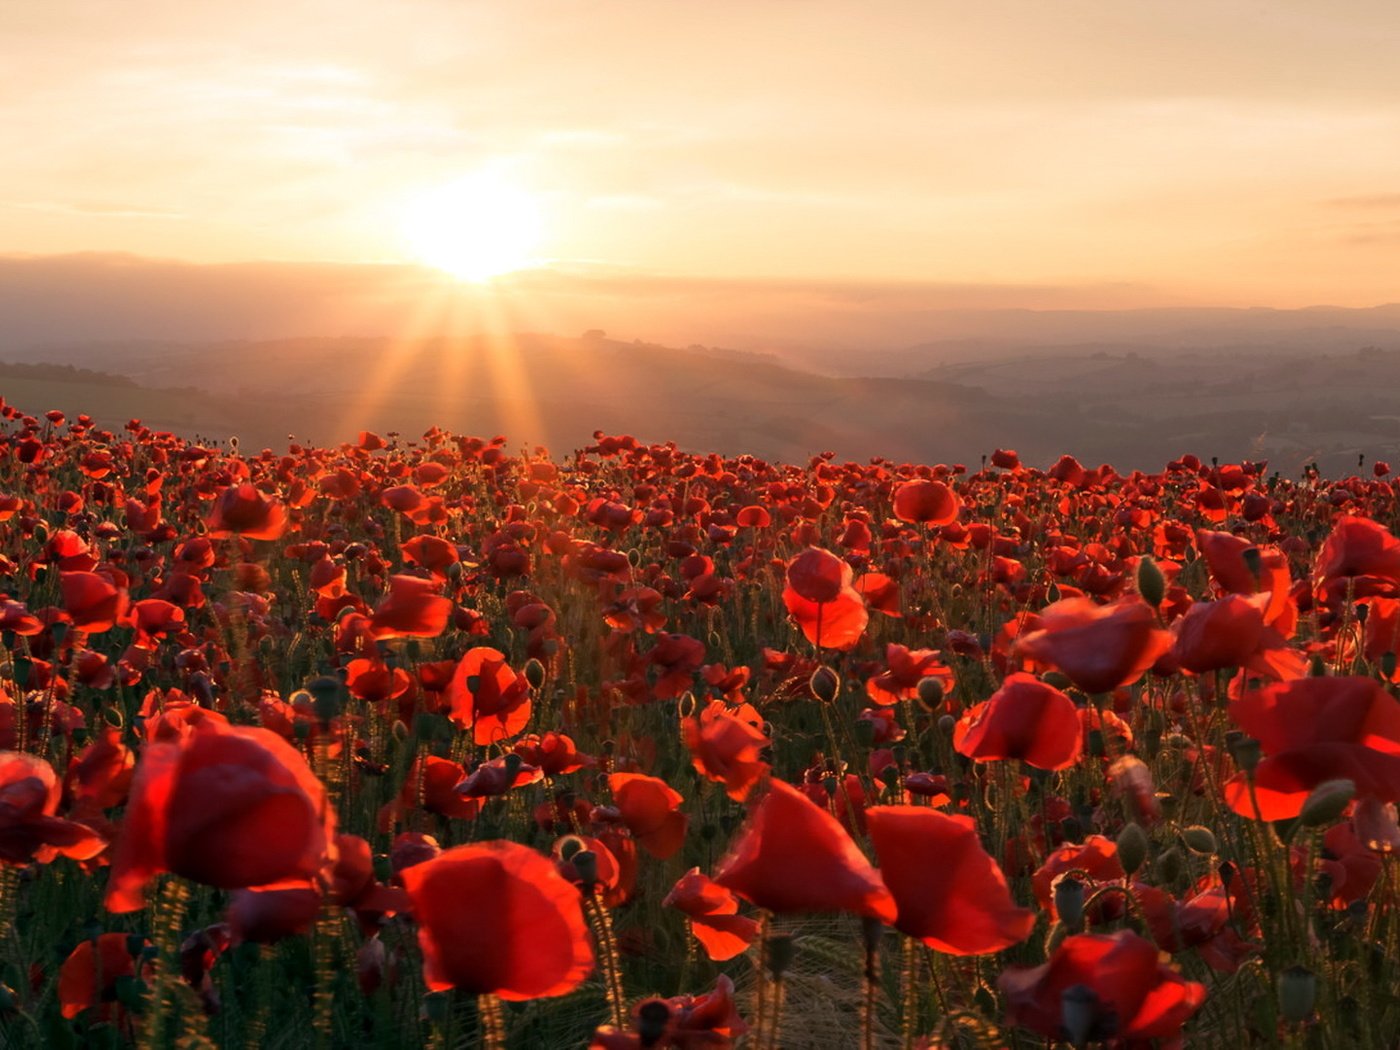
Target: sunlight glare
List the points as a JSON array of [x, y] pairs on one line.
[[474, 228]]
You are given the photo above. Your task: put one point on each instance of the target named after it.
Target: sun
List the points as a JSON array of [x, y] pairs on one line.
[[474, 228]]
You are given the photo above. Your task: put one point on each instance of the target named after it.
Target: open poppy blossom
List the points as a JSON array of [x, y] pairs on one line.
[[904, 669], [1025, 719], [1360, 558], [793, 856], [713, 914], [413, 608], [726, 749], [1312, 730], [1098, 647], [951, 894], [497, 918], [820, 596], [924, 501], [650, 809], [243, 510], [228, 806], [1101, 987], [93, 600], [1231, 632], [488, 697], [30, 829], [89, 976]]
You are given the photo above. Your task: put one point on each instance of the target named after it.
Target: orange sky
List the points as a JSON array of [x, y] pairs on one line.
[[1221, 152]]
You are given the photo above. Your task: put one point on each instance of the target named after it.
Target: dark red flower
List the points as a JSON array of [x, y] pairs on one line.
[[650, 810], [497, 918], [1099, 647], [924, 501], [88, 977], [794, 856], [30, 830], [228, 806], [726, 749], [242, 510], [488, 697], [1025, 719], [951, 894], [1101, 987], [1312, 730], [713, 913], [412, 608]]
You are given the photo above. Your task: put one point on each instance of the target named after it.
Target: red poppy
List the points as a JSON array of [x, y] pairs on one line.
[[432, 553], [793, 856], [412, 608], [228, 806], [924, 501], [951, 894], [88, 977], [1025, 719], [904, 670], [1111, 987], [488, 697], [93, 600], [817, 575], [713, 913], [1230, 632], [820, 597], [1360, 558], [497, 918], [554, 754], [1236, 570], [1096, 857], [268, 914], [30, 830], [726, 749], [1312, 730], [1099, 647], [649, 809], [242, 510]]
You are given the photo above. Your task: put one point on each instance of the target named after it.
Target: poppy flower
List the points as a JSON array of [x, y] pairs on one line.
[[951, 894], [432, 553], [1359, 557], [713, 914], [88, 977], [820, 596], [271, 913], [1231, 632], [554, 754], [488, 697], [1098, 647], [242, 510], [793, 856], [1025, 719], [93, 600], [1312, 730], [30, 830], [1096, 857], [924, 501], [497, 918], [649, 809], [228, 806], [1109, 987], [1239, 567], [817, 575], [904, 669], [726, 749], [412, 608]]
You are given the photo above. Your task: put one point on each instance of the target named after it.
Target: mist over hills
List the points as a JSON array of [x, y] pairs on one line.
[[777, 369]]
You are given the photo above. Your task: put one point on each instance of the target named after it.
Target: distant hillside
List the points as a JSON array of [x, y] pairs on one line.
[[1135, 410]]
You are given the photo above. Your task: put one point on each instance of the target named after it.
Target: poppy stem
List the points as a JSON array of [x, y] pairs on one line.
[[493, 1022], [909, 980], [601, 923]]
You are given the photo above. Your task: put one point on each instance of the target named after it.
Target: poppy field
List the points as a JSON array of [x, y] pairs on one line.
[[434, 742]]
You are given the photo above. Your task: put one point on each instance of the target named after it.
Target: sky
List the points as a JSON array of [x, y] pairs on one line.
[[1215, 152]]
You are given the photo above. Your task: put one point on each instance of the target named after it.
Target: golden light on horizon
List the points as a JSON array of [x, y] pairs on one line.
[[474, 228]]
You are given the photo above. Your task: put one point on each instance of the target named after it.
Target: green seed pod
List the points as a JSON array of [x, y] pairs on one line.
[[1327, 802], [1132, 848], [1169, 865], [825, 684], [1151, 584], [1200, 839]]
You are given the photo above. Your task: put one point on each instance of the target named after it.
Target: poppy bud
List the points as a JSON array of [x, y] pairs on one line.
[[1151, 584], [568, 847], [1057, 680], [1132, 848], [1199, 839], [1388, 663], [825, 684], [1327, 802], [1317, 667], [399, 730], [1253, 561], [780, 950], [930, 693], [1297, 992], [534, 673], [1169, 865], [585, 862], [1069, 900], [947, 724], [653, 1016], [830, 785], [1079, 1012], [1247, 753]]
